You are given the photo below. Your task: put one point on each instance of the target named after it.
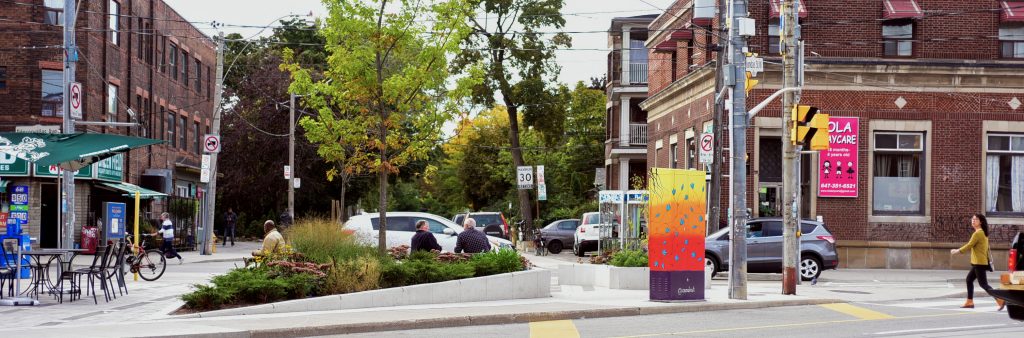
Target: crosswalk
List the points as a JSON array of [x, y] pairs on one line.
[[981, 305]]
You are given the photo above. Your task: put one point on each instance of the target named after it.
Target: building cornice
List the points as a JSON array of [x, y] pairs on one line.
[[682, 92]]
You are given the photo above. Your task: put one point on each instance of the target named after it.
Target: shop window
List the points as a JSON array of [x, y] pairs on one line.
[[1004, 174], [898, 180]]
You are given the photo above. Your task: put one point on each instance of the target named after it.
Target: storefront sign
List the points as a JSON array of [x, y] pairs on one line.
[[114, 219], [111, 169], [676, 237], [19, 204], [11, 165], [55, 171], [838, 167]]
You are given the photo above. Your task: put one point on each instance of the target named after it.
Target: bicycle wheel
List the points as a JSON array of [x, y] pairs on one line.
[[152, 265]]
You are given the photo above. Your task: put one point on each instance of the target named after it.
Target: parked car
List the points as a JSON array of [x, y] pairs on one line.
[[764, 248], [401, 226], [491, 223], [558, 233], [587, 235]]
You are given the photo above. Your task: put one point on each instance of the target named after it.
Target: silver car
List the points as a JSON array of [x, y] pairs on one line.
[[764, 248], [559, 233]]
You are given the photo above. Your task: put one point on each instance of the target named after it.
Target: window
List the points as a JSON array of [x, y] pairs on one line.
[[209, 81], [674, 155], [184, 68], [897, 39], [568, 225], [898, 173], [754, 230], [160, 132], [138, 32], [1011, 40], [148, 43], [53, 12], [196, 136], [773, 37], [1004, 174], [53, 93], [691, 153], [3, 77], [199, 76], [114, 19], [112, 100], [806, 228], [183, 140], [771, 229], [172, 63], [395, 224], [163, 54], [170, 129]]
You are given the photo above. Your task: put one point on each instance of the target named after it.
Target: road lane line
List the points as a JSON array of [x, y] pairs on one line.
[[776, 326], [553, 329], [938, 329], [856, 311]]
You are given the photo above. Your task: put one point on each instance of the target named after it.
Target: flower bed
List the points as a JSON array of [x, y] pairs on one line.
[[323, 260]]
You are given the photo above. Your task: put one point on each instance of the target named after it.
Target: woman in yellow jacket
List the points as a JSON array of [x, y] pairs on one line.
[[978, 245]]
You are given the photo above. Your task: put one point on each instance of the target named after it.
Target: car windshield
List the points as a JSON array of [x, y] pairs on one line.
[[591, 218], [483, 220]]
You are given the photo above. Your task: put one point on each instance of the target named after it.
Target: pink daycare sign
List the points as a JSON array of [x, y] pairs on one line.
[[838, 166]]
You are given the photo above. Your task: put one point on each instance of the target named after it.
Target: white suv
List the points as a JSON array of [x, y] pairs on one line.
[[402, 226], [588, 234]]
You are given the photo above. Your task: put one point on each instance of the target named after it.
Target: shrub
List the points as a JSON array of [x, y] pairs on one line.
[[356, 275], [493, 263], [322, 240], [250, 286], [206, 297], [629, 258]]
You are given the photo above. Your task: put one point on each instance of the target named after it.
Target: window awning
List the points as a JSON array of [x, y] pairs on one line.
[[681, 35], [667, 46], [1013, 11], [130, 190], [901, 9], [774, 11]]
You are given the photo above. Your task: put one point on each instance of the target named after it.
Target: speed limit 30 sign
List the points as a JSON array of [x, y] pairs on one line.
[[524, 177]]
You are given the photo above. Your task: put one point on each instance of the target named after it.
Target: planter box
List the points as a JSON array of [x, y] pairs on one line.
[[517, 285], [606, 276]]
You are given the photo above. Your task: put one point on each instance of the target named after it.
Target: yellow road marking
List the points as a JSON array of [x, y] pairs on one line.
[[856, 311], [786, 325], [553, 329]]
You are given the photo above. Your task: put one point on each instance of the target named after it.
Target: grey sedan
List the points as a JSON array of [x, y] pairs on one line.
[[559, 233], [764, 248]]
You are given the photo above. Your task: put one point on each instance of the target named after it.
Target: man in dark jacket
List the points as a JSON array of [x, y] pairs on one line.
[[471, 240], [424, 239]]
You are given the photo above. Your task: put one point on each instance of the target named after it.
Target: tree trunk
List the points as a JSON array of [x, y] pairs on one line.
[[344, 186], [382, 244], [517, 157]]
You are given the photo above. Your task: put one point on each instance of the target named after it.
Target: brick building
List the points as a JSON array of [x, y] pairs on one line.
[[138, 61], [936, 90], [626, 131]]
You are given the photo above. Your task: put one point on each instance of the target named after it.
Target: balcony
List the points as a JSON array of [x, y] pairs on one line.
[[638, 73], [638, 134]]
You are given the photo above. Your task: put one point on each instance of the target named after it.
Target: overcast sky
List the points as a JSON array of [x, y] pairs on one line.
[[580, 16]]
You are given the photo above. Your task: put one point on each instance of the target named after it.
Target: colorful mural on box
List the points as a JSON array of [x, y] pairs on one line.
[[676, 234]]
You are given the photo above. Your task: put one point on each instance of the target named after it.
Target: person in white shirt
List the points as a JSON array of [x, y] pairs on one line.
[[167, 230]]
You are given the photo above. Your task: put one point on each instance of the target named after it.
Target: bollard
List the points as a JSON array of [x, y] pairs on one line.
[[707, 276]]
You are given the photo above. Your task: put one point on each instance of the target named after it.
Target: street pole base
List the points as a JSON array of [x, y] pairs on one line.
[[18, 302], [789, 278]]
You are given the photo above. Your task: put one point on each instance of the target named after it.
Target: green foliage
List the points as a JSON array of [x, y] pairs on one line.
[[359, 274], [322, 240], [629, 258], [249, 286], [493, 263]]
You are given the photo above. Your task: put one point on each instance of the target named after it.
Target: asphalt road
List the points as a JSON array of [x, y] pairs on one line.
[[924, 318]]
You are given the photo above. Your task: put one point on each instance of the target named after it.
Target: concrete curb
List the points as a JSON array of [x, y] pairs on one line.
[[512, 318]]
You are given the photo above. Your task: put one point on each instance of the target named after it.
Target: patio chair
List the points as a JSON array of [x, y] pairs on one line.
[[115, 270], [95, 271], [7, 273]]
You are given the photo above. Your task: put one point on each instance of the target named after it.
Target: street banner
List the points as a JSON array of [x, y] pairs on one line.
[[838, 166], [676, 234]]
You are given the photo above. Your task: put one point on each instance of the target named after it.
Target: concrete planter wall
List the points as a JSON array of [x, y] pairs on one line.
[[606, 276], [517, 285]]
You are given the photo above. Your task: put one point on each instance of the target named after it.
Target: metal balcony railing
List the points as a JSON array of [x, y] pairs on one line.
[[638, 73], [638, 134]]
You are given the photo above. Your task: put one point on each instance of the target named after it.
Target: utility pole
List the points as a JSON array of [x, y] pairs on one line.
[[737, 69], [790, 166], [291, 158], [211, 189], [68, 177], [718, 126]]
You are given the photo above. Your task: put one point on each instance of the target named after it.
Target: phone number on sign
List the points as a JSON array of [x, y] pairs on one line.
[[838, 186]]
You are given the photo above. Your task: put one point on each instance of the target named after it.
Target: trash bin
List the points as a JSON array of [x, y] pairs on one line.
[[89, 239]]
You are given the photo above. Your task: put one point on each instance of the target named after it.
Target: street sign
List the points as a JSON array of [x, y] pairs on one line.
[[211, 143], [76, 100], [540, 174], [287, 172], [755, 65], [542, 192], [297, 182], [205, 162], [707, 145], [204, 175], [524, 177]]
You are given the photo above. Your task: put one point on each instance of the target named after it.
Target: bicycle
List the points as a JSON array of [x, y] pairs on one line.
[[150, 264]]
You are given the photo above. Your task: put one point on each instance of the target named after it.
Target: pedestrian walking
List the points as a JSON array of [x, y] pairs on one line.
[[229, 231], [167, 230], [424, 239], [981, 261], [471, 240]]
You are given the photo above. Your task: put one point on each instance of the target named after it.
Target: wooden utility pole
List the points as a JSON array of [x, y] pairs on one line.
[[790, 151], [211, 190]]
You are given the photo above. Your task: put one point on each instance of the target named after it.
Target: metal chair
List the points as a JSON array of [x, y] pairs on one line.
[[115, 268], [95, 271], [7, 272]]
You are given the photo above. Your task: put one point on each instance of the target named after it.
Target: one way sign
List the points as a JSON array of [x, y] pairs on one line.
[[211, 143]]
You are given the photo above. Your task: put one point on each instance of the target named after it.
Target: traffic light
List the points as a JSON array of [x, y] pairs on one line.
[[750, 83], [809, 127]]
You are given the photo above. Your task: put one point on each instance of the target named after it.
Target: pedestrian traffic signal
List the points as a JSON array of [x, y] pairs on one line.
[[809, 128], [750, 83]]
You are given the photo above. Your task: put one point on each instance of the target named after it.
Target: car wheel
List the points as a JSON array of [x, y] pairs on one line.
[[555, 247], [577, 250], [810, 267], [710, 261]]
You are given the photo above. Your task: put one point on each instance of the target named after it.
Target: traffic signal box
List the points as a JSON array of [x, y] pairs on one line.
[[810, 129]]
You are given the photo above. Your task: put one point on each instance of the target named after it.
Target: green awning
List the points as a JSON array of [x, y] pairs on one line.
[[69, 151], [130, 190]]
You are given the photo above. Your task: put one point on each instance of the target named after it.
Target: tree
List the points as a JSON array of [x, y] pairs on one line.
[[387, 71], [518, 61]]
